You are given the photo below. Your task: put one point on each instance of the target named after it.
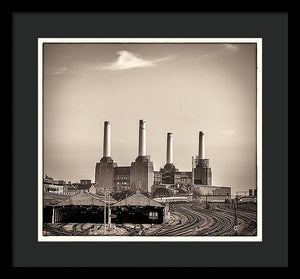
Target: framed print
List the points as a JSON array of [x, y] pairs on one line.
[[143, 201], [154, 140]]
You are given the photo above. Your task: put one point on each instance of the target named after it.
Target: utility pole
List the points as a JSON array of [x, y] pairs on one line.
[[109, 212], [193, 171], [105, 211], [235, 212]]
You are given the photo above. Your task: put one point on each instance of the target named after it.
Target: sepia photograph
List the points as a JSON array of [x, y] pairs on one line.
[[150, 139]]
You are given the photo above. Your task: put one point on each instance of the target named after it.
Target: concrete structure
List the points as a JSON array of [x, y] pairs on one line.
[[169, 174], [141, 174], [141, 171], [142, 138], [183, 178], [107, 140], [201, 171], [201, 145], [104, 172], [157, 178], [169, 168], [166, 174], [137, 176], [169, 148], [121, 178], [212, 193]]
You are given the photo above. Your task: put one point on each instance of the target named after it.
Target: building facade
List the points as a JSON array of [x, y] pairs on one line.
[[139, 175]]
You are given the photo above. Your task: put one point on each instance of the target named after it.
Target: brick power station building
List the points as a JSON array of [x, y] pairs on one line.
[[141, 175], [137, 176]]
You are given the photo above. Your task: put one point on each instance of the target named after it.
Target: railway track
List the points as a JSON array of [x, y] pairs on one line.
[[197, 220], [56, 230], [194, 220]]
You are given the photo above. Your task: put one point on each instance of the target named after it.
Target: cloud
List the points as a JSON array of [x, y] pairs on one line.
[[226, 49], [59, 71], [126, 60], [231, 47], [129, 60]]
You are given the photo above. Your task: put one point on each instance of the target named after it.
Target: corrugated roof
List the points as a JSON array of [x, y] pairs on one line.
[[137, 199], [83, 198], [51, 199], [102, 198]]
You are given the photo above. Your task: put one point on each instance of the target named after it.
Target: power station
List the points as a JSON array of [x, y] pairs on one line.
[[140, 175]]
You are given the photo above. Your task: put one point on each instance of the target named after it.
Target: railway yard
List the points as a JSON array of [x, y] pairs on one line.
[[185, 219]]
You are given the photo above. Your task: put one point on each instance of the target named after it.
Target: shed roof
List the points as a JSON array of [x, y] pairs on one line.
[[102, 198], [83, 198], [51, 199], [138, 199]]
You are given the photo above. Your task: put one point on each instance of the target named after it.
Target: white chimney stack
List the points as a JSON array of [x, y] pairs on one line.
[[107, 140], [201, 146], [142, 138], [170, 148]]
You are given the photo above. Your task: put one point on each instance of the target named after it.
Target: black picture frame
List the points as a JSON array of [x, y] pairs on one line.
[[272, 27]]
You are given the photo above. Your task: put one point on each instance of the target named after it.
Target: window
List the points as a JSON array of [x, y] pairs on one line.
[[153, 215]]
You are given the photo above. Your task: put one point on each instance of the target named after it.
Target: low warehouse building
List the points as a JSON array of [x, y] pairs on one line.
[[80, 208], [85, 207], [138, 209]]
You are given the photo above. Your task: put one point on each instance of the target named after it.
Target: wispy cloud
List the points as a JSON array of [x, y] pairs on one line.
[[225, 49], [125, 61], [59, 71], [129, 60], [65, 70]]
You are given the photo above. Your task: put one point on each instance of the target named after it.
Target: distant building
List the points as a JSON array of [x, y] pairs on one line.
[[87, 182], [48, 180], [252, 192], [157, 178], [242, 193], [141, 175], [121, 178], [204, 190], [202, 174], [183, 178], [137, 176], [212, 193], [57, 189]]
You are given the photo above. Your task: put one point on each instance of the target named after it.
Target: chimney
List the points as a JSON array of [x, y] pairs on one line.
[[142, 138], [170, 148], [106, 141], [201, 146]]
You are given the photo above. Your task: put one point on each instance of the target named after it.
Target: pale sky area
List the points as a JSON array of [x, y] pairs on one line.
[[178, 88]]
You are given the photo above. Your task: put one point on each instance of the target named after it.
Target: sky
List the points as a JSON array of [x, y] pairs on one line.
[[177, 88]]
